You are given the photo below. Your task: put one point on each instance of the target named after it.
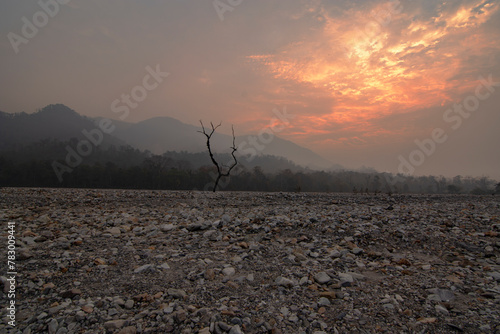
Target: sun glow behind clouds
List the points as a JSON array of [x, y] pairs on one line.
[[371, 70]]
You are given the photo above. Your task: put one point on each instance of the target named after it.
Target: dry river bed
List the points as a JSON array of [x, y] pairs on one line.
[[130, 261]]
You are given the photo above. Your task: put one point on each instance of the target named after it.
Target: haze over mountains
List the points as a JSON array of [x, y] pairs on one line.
[[158, 135]]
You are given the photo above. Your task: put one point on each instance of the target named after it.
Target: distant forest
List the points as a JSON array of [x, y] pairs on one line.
[[31, 165]]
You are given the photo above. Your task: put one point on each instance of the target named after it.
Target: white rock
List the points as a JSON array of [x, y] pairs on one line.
[[441, 309], [145, 268], [282, 281], [345, 277], [323, 301], [495, 275], [115, 231], [235, 330], [229, 271], [167, 227], [322, 278], [164, 266]]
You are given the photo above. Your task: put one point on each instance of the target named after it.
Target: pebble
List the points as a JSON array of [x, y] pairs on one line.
[[53, 326], [285, 282], [201, 262], [441, 310], [167, 227], [441, 295], [228, 271], [177, 293], [129, 304], [235, 330], [114, 324], [115, 231], [324, 301], [144, 269], [495, 275], [322, 278], [128, 330], [345, 277], [71, 293]]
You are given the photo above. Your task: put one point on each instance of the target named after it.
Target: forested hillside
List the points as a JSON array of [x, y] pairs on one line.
[[32, 165]]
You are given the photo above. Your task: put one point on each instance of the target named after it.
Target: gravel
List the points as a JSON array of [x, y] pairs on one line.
[[130, 261]]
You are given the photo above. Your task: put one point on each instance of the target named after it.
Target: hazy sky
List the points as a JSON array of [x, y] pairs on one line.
[[363, 79]]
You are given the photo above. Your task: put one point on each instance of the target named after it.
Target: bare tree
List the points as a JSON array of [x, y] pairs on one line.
[[220, 168]]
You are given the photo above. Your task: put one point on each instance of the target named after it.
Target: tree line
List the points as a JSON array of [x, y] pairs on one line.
[[128, 168]]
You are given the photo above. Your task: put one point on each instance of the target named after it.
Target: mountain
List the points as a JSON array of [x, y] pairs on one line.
[[55, 121], [158, 135]]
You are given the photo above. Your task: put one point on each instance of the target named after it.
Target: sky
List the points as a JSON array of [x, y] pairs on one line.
[[401, 86]]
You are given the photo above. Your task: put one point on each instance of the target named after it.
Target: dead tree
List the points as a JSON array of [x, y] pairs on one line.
[[220, 168]]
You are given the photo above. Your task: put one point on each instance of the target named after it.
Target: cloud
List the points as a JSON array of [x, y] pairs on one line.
[[363, 76], [385, 58]]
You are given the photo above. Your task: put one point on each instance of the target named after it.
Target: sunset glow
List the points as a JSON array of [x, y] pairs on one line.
[[384, 60], [364, 79]]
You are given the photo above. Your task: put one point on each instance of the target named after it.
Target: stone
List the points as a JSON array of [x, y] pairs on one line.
[[24, 254], [441, 310], [211, 235], [356, 276], [485, 328], [285, 311], [388, 306], [324, 301], [80, 316], [177, 293], [357, 251], [228, 271], [114, 324], [167, 227], [328, 294], [129, 304], [441, 295], [198, 226], [87, 309], [427, 320], [164, 266], [53, 326], [209, 274], [71, 293], [115, 231], [335, 254], [345, 277], [495, 275], [322, 277], [225, 327], [282, 281], [147, 268], [235, 330], [128, 330], [304, 280], [271, 243]]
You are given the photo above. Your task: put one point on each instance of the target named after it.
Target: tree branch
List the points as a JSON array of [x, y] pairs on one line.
[[220, 172]]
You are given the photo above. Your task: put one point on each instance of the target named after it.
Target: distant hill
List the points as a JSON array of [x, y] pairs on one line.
[[157, 135], [55, 121], [161, 134]]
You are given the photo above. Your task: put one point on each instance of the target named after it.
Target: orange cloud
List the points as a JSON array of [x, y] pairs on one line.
[[383, 61]]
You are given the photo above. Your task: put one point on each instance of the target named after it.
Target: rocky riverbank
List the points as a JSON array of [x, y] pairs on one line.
[[128, 261]]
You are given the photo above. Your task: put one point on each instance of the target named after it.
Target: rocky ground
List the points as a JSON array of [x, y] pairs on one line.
[[125, 261]]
